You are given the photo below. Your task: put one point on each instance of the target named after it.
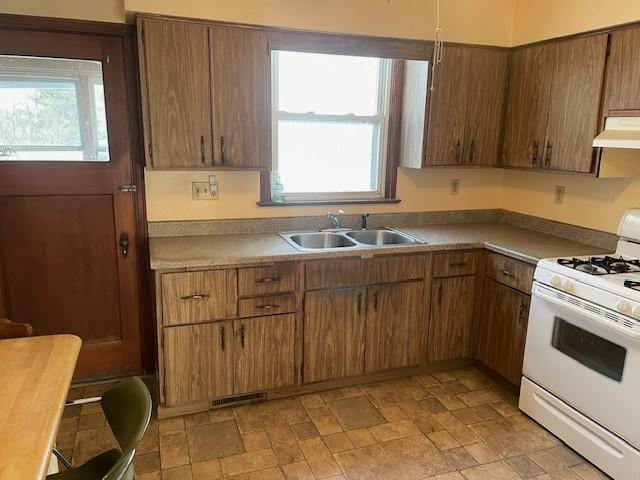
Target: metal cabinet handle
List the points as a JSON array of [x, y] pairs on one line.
[[270, 306], [458, 264], [506, 272], [457, 154], [242, 335], [547, 154], [223, 150], [222, 339], [124, 244], [534, 152], [202, 148], [359, 303], [196, 296], [472, 151], [522, 312], [375, 301], [268, 280]]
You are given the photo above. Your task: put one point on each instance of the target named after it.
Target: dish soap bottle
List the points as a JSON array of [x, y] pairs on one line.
[[277, 188]]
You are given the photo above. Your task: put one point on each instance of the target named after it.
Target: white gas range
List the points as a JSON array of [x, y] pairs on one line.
[[582, 356]]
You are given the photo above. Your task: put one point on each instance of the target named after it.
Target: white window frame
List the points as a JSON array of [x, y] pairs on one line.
[[380, 122]]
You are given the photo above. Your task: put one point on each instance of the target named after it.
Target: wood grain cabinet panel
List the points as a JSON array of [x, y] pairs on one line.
[[270, 305], [198, 362], [455, 264], [395, 320], [240, 69], [510, 272], [176, 94], [264, 353], [334, 334], [574, 107], [622, 89], [527, 106], [278, 278], [451, 319], [194, 297]]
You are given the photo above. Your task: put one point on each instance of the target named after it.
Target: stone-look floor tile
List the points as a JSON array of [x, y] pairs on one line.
[[178, 473], [255, 441], [474, 380], [318, 457], [433, 406], [426, 380], [298, 471], [505, 409], [71, 411], [394, 430], [150, 476], [285, 445], [389, 393], [361, 437], [75, 393], [90, 408], [421, 417], [171, 424], [196, 419], [173, 449], [248, 462], [393, 414], [147, 462], [94, 420], [97, 390], [482, 452], [491, 471], [479, 397], [455, 387], [268, 474], [207, 470], [486, 412], [443, 440], [338, 442], [355, 412], [324, 421], [150, 441], [340, 393], [275, 413], [221, 415], [304, 431], [566, 456], [446, 376], [459, 458], [451, 401], [404, 459], [213, 440], [458, 430], [525, 466], [467, 416], [311, 400], [588, 472], [67, 432], [553, 466], [505, 440], [90, 443], [448, 476], [438, 389]]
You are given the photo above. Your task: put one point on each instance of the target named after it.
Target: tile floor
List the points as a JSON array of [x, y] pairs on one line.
[[454, 425]]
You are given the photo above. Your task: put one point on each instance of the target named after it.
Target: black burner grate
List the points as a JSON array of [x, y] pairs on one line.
[[633, 285], [604, 265]]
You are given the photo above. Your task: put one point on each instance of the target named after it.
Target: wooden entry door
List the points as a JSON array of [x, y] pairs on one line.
[[67, 230]]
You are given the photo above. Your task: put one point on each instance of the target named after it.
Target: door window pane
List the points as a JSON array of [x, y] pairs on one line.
[[52, 110]]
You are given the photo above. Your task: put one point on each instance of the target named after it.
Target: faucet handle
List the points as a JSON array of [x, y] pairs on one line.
[[364, 217]]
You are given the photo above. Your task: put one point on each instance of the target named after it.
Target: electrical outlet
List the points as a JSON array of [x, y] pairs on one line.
[[454, 188], [205, 190], [558, 195]]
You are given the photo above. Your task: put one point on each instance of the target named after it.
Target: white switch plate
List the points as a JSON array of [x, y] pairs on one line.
[[558, 195], [204, 191], [454, 188]]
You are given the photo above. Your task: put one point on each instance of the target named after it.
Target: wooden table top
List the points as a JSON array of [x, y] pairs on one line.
[[35, 374]]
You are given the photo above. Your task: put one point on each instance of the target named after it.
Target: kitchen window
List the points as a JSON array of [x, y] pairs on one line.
[[330, 120]]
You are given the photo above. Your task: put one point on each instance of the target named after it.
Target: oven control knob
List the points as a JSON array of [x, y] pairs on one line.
[[568, 287], [636, 312], [624, 307], [556, 281]]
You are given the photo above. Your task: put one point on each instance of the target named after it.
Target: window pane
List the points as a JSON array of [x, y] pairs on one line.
[[52, 109], [322, 157], [327, 84]]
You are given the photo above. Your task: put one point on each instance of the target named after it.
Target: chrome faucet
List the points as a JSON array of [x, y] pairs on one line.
[[336, 218], [365, 218]]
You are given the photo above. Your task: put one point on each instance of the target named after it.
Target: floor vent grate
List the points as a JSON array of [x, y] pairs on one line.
[[239, 399]]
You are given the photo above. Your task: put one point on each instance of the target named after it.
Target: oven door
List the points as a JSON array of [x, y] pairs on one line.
[[585, 356]]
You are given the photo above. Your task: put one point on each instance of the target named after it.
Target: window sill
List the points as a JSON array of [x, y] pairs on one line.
[[301, 203]]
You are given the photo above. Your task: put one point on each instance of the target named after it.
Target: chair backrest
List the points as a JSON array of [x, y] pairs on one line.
[[127, 407], [9, 329]]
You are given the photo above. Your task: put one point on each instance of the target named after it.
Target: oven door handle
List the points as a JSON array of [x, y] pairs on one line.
[[542, 292]]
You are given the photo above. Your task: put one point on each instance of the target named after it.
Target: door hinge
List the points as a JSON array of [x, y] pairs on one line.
[[128, 188], [142, 35], [150, 151], [162, 340]]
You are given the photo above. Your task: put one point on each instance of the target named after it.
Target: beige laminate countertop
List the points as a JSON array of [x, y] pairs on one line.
[[219, 250]]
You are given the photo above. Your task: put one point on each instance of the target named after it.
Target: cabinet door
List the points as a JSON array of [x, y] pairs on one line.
[[514, 373], [488, 77], [527, 105], [451, 319], [178, 100], [448, 108], [498, 329], [240, 68], [575, 103], [334, 329], [264, 353], [395, 318], [197, 362], [622, 90]]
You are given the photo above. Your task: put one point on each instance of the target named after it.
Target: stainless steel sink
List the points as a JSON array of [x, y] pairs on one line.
[[380, 237], [320, 240]]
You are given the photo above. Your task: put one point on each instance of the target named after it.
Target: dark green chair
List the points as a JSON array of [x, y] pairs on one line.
[[127, 407]]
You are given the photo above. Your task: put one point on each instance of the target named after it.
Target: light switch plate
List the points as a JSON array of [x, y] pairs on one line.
[[204, 191], [454, 188]]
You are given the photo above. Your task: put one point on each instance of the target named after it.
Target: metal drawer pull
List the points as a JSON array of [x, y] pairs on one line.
[[268, 280], [375, 302], [506, 272], [359, 303], [222, 343], [202, 149], [197, 296], [223, 150], [458, 264], [242, 336], [267, 307]]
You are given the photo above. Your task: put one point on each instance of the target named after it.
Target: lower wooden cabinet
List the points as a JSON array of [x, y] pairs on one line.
[[451, 319], [334, 333], [395, 318], [503, 330], [264, 353], [198, 362]]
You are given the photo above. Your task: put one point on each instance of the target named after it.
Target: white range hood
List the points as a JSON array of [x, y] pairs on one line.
[[620, 143]]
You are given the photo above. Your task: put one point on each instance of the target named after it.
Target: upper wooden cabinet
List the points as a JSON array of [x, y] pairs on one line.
[[622, 88], [553, 104], [464, 116], [205, 95]]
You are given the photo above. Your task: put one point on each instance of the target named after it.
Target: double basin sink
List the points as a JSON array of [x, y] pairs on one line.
[[337, 239]]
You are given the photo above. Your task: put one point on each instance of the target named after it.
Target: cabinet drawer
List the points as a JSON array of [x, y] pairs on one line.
[[273, 305], [455, 264], [510, 272], [347, 272], [279, 278], [194, 297]]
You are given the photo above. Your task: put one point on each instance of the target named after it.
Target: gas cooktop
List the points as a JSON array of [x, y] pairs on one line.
[[602, 265]]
